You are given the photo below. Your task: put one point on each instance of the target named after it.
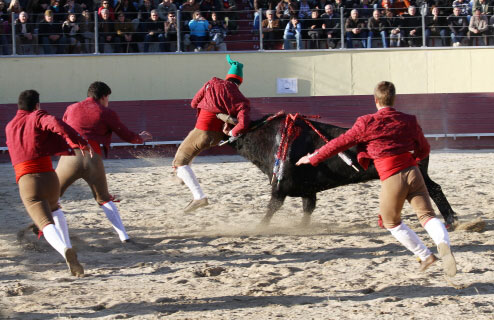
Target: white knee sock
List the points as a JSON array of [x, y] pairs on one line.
[[436, 229], [189, 178], [410, 240], [113, 215], [61, 225], [54, 238]]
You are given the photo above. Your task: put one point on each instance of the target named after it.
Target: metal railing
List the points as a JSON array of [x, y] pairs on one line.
[[100, 36]]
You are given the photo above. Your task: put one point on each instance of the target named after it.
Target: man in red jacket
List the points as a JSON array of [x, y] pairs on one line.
[[216, 96], [387, 137], [93, 120], [32, 137]]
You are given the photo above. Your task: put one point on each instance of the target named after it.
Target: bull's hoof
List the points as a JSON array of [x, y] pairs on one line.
[[305, 221], [264, 223]]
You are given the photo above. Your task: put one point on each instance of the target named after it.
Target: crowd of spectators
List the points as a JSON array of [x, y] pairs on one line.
[[366, 23], [115, 26]]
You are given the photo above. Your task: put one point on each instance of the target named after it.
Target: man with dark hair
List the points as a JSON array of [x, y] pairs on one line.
[[32, 137], [216, 96], [387, 137], [93, 120], [458, 26]]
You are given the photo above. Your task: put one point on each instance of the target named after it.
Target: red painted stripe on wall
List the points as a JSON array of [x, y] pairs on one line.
[[437, 114]]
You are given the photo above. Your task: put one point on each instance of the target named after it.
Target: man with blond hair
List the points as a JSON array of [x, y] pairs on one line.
[[387, 137]]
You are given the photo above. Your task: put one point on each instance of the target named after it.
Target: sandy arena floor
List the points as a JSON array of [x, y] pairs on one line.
[[216, 263]]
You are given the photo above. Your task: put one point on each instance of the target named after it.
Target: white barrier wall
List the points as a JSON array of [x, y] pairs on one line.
[[321, 73]]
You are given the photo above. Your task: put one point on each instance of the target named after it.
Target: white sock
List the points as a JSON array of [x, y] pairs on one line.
[[61, 225], [113, 215], [54, 238], [436, 229], [410, 240], [189, 178]]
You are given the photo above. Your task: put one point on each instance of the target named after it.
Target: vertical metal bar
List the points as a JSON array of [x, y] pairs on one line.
[[261, 42], [179, 30], [342, 28], [96, 35], [424, 11], [14, 49]]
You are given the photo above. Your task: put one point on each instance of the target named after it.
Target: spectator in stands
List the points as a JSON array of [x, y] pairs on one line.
[[394, 27], [412, 27], [365, 10], [199, 28], [217, 33], [338, 5], [293, 31], [188, 9], [86, 26], [58, 11], [72, 7], [436, 27], [355, 28], [50, 35], [71, 32], [124, 38], [154, 29], [24, 34], [464, 6], [86, 5], [228, 12], [377, 29], [304, 12], [3, 11], [145, 10], [321, 4], [315, 31], [164, 7], [458, 26], [478, 27], [484, 6], [206, 7], [284, 10], [105, 4], [4, 29], [106, 31], [271, 30], [171, 32], [400, 7], [331, 25], [15, 8], [129, 8], [264, 5]]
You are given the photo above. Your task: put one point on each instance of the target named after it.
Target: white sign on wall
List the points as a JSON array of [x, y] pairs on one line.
[[286, 85]]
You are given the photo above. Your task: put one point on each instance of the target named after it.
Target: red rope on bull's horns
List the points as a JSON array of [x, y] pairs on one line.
[[289, 132]]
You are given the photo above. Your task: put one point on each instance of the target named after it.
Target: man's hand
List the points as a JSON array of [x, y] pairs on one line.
[[87, 148], [145, 136], [304, 160], [227, 129]]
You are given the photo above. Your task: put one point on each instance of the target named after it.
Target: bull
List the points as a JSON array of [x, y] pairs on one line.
[[260, 144]]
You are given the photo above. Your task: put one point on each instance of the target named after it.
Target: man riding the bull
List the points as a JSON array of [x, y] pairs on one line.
[[216, 97], [387, 137]]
